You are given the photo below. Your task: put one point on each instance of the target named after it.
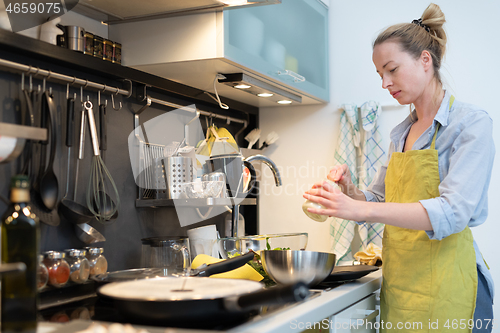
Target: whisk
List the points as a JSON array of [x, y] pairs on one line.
[[98, 200]]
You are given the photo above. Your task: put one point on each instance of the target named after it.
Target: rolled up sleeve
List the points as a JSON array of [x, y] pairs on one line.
[[464, 182]]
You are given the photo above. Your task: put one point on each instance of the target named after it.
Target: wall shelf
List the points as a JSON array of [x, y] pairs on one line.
[[152, 203], [23, 132], [13, 45]]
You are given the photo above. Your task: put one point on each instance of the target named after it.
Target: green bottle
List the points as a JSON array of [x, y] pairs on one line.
[[19, 243]]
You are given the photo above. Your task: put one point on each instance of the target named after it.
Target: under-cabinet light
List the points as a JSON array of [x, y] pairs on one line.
[[234, 2], [257, 87], [284, 101], [242, 86]]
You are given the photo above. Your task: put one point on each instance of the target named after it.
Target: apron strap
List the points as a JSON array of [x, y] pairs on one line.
[[433, 144]]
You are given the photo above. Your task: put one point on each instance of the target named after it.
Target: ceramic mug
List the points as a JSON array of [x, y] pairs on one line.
[[203, 240]]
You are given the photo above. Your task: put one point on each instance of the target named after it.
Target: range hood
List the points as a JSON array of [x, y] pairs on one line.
[[121, 11]]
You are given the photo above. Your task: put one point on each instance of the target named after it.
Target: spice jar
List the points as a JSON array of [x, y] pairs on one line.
[[98, 263], [79, 266], [42, 273], [58, 268]]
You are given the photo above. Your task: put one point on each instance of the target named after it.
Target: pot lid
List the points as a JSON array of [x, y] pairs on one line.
[[132, 275], [171, 289]]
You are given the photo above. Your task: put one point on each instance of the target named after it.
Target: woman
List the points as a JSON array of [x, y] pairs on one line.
[[430, 191]]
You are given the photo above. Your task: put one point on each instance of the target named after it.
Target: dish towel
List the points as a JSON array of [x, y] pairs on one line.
[[372, 159], [363, 156], [372, 255]]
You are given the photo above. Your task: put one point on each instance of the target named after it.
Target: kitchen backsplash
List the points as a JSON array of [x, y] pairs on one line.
[[122, 247]]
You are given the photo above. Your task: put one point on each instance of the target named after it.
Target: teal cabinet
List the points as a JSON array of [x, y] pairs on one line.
[[287, 43]]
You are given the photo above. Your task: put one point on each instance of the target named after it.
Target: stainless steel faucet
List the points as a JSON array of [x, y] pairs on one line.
[[277, 180], [270, 164]]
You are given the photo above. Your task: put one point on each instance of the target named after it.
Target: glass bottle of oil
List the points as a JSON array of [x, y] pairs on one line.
[[19, 243]]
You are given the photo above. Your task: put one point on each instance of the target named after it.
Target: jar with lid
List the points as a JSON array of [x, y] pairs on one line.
[[42, 273], [79, 266], [97, 261], [58, 268]]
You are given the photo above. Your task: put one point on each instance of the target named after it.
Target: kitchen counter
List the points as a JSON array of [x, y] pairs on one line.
[[316, 309], [323, 304]]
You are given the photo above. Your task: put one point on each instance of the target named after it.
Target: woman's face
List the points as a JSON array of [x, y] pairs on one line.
[[404, 76]]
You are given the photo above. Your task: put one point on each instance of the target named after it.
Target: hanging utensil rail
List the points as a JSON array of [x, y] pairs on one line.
[[149, 100], [72, 80]]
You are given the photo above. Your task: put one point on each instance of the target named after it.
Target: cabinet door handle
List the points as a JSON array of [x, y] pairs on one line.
[[296, 77], [370, 316]]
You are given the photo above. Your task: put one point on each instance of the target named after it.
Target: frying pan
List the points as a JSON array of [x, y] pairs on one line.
[[291, 266], [349, 272], [194, 302]]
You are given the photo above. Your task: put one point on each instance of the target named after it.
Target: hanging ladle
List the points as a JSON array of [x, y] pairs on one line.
[[48, 184], [102, 201], [70, 209]]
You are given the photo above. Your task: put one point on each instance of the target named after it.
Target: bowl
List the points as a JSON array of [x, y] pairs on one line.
[[231, 246], [203, 189], [289, 267]]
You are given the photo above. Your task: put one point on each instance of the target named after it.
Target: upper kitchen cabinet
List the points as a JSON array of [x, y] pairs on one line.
[[279, 49]]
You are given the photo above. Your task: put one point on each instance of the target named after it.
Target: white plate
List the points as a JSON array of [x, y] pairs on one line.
[[169, 289]]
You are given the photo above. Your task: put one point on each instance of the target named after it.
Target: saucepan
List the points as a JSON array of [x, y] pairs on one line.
[[291, 266], [194, 302]]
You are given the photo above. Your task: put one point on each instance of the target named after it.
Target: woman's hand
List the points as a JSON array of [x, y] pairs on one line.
[[341, 175], [336, 203]]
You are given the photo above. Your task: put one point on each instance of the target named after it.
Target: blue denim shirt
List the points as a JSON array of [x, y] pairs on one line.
[[466, 151]]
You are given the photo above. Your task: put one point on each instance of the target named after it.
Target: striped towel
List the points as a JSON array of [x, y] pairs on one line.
[[372, 159], [342, 231], [363, 159]]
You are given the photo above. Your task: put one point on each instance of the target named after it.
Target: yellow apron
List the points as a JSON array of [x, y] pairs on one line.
[[428, 285]]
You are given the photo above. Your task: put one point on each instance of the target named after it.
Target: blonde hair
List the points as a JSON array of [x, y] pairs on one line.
[[426, 34]]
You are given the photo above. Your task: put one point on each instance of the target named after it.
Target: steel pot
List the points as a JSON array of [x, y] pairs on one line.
[[291, 266]]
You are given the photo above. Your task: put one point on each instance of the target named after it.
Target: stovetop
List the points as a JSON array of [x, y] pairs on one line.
[[99, 309]]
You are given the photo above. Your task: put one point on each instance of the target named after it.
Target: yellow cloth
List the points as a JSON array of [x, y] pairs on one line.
[[370, 255], [219, 141], [245, 272], [425, 282]]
